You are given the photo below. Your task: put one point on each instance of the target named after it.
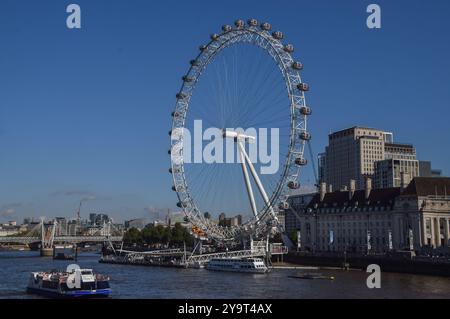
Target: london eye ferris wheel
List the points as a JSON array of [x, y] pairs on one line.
[[245, 83]]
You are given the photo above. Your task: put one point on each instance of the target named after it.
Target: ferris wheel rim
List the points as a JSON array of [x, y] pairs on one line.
[[291, 77]]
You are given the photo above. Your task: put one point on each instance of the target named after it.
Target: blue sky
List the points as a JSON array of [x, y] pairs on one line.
[[86, 112]]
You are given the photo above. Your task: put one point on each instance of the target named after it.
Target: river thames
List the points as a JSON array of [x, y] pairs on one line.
[[161, 283]]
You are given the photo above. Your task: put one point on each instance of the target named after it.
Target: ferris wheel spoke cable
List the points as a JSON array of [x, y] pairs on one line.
[[267, 75], [263, 101]]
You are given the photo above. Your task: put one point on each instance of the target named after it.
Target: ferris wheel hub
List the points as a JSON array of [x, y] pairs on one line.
[[227, 133]]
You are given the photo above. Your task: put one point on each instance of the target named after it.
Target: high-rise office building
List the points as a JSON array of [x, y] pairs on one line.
[[61, 229], [359, 152], [398, 168], [399, 151], [351, 154], [395, 172]]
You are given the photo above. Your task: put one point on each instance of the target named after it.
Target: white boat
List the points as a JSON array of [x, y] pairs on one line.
[[63, 284], [251, 265]]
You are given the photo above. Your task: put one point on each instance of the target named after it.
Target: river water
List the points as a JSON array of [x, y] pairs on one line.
[[161, 283]]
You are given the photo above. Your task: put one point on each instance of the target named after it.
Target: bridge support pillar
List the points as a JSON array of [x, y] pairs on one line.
[[46, 252]]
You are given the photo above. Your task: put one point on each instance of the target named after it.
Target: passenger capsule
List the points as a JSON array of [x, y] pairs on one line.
[[186, 78], [202, 48], [283, 205], [194, 63], [239, 24], [297, 66], [252, 22], [305, 136], [169, 152], [300, 161], [170, 170], [303, 87], [305, 110], [214, 36], [181, 204], [277, 35], [177, 189], [226, 28], [170, 133], [175, 114], [266, 26], [293, 185], [181, 96], [289, 48]]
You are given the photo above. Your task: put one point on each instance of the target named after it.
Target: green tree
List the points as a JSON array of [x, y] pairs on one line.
[[293, 236], [277, 238], [166, 235], [187, 237], [178, 234], [148, 234], [132, 236]]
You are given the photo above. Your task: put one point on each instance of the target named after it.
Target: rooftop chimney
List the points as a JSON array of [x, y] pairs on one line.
[[368, 187], [352, 189], [323, 190]]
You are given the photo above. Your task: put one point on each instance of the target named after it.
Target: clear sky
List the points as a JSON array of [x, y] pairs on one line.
[[85, 113]]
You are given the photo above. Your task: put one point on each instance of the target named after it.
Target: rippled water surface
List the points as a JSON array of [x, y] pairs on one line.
[[158, 282]]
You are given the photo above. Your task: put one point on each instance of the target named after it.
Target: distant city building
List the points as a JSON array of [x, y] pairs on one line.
[[8, 231], [98, 219], [28, 220], [72, 227], [11, 228], [376, 220], [119, 227], [228, 222], [61, 229], [138, 223], [177, 217], [426, 170]]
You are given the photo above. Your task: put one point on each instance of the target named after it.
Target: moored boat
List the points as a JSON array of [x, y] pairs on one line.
[[76, 283], [312, 276], [250, 265]]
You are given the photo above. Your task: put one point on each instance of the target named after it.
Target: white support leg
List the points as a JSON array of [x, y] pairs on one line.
[[259, 184], [247, 181]]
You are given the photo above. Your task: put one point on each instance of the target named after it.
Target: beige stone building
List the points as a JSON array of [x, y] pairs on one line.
[[394, 172], [351, 154], [376, 220]]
